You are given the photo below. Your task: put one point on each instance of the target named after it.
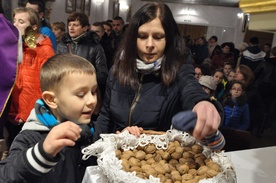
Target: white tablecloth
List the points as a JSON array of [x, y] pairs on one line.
[[251, 166], [255, 165], [93, 175]]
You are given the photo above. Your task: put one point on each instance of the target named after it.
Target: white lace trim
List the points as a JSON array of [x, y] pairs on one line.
[[111, 166]]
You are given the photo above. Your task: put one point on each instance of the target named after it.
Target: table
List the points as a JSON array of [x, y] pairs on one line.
[[251, 166], [93, 175], [255, 165]]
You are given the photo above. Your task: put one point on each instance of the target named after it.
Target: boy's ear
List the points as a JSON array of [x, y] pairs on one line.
[[49, 98]]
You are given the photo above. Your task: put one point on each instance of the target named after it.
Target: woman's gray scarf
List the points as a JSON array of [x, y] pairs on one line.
[[148, 68]]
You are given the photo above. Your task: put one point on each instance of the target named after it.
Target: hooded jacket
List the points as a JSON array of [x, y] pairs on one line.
[[27, 87], [252, 57], [27, 162], [88, 47]]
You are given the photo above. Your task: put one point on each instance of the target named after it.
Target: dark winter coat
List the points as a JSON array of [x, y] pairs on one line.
[[236, 114], [88, 47], [24, 164], [152, 105]]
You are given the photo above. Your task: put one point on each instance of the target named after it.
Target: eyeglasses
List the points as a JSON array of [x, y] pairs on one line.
[[237, 89], [198, 74]]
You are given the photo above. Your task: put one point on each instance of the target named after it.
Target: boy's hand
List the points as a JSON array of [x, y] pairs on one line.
[[64, 134], [134, 130]]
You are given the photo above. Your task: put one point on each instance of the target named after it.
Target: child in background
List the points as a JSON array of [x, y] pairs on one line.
[[218, 76], [48, 149], [236, 109], [226, 69], [231, 75], [230, 78]]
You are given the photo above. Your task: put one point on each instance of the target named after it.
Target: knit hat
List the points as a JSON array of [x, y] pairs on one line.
[[208, 81]]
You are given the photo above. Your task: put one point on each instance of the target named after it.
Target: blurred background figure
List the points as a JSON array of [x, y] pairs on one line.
[[198, 72], [223, 56], [218, 77], [213, 46], [117, 33], [242, 47], [253, 55], [107, 28], [265, 82], [105, 41], [255, 102], [208, 85], [81, 41], [267, 49], [58, 29], [200, 50], [39, 7]]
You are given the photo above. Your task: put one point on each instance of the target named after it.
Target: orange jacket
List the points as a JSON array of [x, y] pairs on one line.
[[27, 87]]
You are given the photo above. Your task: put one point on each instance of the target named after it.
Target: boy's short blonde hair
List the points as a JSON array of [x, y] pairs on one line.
[[58, 66]]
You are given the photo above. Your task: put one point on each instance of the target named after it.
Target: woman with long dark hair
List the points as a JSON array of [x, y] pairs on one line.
[[151, 81]]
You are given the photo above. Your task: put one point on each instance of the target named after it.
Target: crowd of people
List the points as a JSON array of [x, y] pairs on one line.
[[78, 80], [250, 106]]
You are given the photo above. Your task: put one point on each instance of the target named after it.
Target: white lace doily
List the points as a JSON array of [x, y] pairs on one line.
[[111, 166]]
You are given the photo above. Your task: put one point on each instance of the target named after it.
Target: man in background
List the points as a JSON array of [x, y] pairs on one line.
[[117, 34], [105, 41], [213, 46]]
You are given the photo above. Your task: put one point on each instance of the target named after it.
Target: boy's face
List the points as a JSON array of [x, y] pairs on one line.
[[227, 69], [218, 76], [76, 98]]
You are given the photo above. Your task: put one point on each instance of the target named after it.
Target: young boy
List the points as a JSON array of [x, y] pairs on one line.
[[48, 149]]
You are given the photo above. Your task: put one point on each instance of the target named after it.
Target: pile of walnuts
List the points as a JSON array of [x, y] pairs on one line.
[[175, 164]]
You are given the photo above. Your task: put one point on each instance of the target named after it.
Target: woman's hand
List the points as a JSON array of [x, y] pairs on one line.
[[134, 130], [208, 119]]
